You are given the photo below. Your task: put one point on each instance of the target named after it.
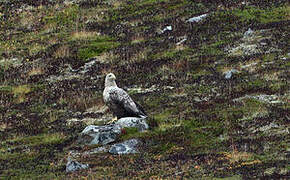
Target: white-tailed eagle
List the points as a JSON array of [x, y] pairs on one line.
[[118, 100]]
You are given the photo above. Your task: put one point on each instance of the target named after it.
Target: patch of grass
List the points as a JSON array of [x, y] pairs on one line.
[[32, 156], [213, 49], [6, 88], [83, 35], [128, 133], [96, 47], [62, 52], [267, 15], [20, 91], [64, 19], [39, 140]]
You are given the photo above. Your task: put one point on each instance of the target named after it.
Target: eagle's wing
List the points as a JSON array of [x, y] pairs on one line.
[[122, 98]]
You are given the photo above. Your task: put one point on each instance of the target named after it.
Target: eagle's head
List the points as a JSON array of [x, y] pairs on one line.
[[110, 80]]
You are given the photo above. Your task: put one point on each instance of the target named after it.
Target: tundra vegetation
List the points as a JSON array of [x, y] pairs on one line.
[[219, 93]]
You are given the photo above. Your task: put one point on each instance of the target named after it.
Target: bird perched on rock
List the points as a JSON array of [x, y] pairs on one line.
[[118, 100]]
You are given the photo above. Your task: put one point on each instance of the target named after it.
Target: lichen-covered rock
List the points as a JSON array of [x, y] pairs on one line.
[[99, 134], [126, 147], [230, 73], [73, 165], [139, 123], [248, 33], [197, 18]]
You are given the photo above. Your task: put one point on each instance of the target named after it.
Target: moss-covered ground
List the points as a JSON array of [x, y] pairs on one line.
[[198, 129]]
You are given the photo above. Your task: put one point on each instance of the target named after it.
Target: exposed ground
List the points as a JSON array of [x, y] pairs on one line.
[[205, 121]]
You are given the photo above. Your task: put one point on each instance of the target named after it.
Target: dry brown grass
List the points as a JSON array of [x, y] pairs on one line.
[[81, 101], [20, 92], [62, 52], [36, 71], [83, 35], [272, 76], [107, 57], [236, 156], [136, 40], [180, 65]]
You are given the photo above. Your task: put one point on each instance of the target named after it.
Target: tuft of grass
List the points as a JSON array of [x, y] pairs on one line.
[[20, 91], [39, 140], [62, 52], [83, 35], [96, 47], [267, 15]]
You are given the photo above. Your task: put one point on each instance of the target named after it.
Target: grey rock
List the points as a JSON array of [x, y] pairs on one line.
[[73, 165], [167, 28], [197, 18], [248, 33], [181, 41], [229, 74], [126, 147], [99, 134], [139, 123]]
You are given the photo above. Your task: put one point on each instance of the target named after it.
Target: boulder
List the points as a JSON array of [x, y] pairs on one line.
[[73, 165], [139, 123], [126, 147], [99, 134]]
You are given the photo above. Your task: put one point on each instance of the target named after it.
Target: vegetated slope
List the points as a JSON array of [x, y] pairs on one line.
[[217, 92]]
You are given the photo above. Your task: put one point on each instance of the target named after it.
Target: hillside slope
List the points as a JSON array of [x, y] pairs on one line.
[[212, 76]]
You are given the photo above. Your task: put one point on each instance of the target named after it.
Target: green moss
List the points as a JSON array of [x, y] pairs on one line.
[[63, 19], [33, 156], [203, 134], [130, 132], [267, 15], [38, 108], [269, 57], [6, 88], [279, 86], [38, 140], [96, 47], [163, 148], [213, 49]]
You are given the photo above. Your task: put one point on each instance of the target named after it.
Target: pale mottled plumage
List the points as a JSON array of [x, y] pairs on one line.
[[118, 100]]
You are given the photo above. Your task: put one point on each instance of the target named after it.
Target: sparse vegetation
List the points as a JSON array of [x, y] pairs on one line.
[[53, 57]]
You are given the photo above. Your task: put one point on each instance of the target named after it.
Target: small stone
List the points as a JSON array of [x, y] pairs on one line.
[[197, 18], [167, 28], [248, 33], [73, 165], [229, 74]]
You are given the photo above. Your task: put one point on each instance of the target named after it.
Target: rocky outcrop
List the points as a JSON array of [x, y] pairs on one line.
[[99, 134], [126, 147], [108, 133]]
